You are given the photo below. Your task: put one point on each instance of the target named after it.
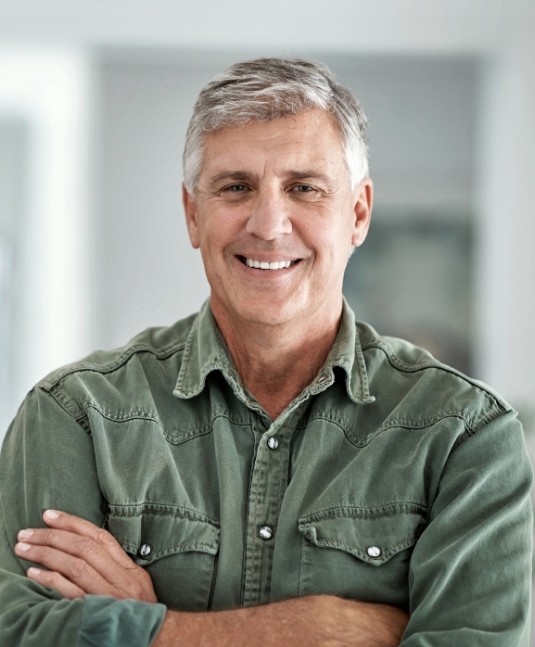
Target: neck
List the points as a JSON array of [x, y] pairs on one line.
[[275, 363]]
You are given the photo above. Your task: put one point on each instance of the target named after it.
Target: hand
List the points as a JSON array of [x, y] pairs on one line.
[[81, 559]]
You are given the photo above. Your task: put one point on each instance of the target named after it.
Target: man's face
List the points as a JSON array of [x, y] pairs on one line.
[[275, 218]]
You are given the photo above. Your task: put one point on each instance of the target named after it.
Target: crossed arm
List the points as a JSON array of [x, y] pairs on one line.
[[79, 559], [470, 574]]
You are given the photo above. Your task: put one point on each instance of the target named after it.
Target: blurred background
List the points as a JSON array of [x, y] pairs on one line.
[[94, 102]]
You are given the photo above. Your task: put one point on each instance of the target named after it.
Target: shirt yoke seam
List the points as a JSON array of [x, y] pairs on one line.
[[54, 380], [402, 366]]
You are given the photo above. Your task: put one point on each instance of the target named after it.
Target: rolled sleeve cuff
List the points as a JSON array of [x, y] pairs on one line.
[[108, 622]]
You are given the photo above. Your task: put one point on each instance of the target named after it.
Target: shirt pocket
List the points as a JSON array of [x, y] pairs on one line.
[[360, 553], [178, 552]]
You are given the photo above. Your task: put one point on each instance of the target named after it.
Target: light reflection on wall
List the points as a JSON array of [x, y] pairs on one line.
[[50, 91]]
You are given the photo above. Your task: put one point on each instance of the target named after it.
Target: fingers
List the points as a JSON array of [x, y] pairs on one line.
[[81, 558], [65, 566], [84, 528], [75, 555], [57, 582]]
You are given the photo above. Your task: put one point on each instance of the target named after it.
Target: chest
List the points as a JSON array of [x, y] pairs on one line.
[[235, 511]]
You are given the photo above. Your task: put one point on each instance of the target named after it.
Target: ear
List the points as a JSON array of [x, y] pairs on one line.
[[362, 211], [190, 210]]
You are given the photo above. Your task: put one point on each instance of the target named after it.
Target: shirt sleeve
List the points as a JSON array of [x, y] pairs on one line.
[[47, 461], [470, 574]]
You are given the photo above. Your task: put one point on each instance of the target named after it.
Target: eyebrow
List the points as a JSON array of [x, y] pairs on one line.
[[237, 176], [242, 176], [310, 175]]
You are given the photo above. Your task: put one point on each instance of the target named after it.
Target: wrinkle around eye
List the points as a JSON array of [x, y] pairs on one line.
[[234, 192], [306, 192]]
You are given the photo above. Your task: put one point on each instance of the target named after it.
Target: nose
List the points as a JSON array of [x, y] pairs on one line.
[[269, 218]]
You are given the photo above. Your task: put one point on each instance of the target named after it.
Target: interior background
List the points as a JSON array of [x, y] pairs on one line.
[[94, 102]]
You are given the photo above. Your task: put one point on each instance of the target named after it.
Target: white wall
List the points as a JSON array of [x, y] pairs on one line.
[[506, 193], [147, 272], [49, 91]]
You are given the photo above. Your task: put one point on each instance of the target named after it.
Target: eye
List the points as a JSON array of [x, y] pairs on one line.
[[235, 188], [234, 192], [305, 192]]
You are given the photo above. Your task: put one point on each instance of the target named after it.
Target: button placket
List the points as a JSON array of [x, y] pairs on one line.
[[268, 482]]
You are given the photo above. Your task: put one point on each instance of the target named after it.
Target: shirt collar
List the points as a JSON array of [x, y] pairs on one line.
[[206, 351], [347, 354]]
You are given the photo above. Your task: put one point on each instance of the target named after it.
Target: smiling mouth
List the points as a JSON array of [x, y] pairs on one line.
[[265, 265]]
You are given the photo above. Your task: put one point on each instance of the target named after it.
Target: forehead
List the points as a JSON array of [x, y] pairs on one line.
[[310, 136]]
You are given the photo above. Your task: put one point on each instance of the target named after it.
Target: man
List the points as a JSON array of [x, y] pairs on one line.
[[267, 471]]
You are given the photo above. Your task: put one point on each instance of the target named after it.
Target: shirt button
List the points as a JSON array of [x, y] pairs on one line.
[[373, 551], [272, 442], [144, 550], [266, 532]]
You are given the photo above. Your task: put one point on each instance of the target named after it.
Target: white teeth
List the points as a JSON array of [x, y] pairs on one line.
[[264, 265]]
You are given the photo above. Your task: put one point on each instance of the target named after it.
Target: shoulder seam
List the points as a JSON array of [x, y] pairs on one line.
[[54, 379], [396, 363]]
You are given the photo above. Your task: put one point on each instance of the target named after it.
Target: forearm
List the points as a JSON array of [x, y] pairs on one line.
[[313, 621], [33, 617], [31, 614], [81, 558], [480, 518]]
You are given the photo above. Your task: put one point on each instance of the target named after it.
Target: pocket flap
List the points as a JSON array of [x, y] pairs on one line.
[[374, 535], [150, 532]]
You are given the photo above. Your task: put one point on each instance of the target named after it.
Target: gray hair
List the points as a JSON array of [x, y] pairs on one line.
[[268, 88]]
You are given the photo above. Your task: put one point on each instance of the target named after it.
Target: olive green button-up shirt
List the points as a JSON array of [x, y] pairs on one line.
[[392, 478]]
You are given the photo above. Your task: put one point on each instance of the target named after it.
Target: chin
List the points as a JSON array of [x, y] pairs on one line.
[[260, 309]]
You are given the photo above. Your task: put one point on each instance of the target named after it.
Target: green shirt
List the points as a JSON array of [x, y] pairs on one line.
[[392, 478]]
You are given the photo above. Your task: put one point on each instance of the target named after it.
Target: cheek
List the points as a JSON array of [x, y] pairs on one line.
[[335, 242], [337, 253], [222, 226]]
